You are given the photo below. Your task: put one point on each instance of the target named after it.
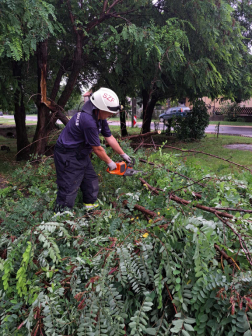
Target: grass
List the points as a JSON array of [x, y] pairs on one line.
[[116, 130], [213, 145], [231, 123], [9, 122]]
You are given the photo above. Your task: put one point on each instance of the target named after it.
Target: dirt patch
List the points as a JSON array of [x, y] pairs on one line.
[[244, 147], [3, 182]]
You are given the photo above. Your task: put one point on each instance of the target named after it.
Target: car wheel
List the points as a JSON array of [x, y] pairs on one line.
[[161, 119]]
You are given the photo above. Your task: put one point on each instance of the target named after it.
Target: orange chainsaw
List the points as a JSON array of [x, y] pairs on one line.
[[124, 169]]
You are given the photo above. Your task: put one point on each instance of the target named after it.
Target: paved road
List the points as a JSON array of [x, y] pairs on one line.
[[233, 130]]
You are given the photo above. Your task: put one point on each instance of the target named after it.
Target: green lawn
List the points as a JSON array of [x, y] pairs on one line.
[[231, 123], [213, 145], [7, 122]]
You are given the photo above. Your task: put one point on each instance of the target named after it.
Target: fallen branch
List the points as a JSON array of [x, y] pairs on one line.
[[140, 145], [226, 257], [170, 171], [199, 206], [143, 210], [215, 212], [241, 240], [234, 209], [140, 135], [185, 202], [198, 152]]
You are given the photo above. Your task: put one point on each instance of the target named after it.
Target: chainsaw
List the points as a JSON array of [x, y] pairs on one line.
[[124, 169]]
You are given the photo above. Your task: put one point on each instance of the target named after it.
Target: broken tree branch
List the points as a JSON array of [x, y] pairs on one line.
[[225, 256], [139, 136], [142, 209], [170, 171], [185, 202], [199, 152]]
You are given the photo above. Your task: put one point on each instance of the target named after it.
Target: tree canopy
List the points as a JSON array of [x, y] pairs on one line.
[[24, 23]]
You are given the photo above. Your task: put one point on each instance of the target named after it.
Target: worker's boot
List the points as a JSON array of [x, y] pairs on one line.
[[90, 206]]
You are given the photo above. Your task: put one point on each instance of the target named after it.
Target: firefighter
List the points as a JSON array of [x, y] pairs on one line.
[[78, 139]]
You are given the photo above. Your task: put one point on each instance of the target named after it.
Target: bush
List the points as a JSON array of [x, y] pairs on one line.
[[194, 124], [240, 119]]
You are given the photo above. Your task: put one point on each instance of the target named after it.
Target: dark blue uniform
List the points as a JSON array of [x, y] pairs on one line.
[[71, 156]]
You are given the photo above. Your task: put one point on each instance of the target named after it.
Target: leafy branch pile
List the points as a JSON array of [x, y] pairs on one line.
[[146, 263]]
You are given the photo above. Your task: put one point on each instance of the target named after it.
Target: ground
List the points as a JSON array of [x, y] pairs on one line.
[[3, 182]]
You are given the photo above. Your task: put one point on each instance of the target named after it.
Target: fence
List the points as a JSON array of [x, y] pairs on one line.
[[240, 111]]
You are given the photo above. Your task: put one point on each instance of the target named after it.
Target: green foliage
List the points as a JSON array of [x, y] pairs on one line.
[[23, 23], [114, 272], [194, 124]]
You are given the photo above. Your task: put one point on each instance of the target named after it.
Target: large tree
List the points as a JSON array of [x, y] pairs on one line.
[[191, 49], [83, 24], [23, 24]]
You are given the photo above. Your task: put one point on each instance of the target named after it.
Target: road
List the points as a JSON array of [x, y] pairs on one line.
[[232, 130]]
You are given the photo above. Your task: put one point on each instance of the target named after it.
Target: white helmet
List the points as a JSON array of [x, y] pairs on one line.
[[106, 100]]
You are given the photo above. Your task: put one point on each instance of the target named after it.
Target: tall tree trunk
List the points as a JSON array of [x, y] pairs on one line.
[[20, 115], [46, 119], [43, 130], [123, 126], [148, 108], [43, 125]]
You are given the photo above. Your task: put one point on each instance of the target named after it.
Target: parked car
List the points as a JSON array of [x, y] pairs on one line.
[[174, 112], [1, 113]]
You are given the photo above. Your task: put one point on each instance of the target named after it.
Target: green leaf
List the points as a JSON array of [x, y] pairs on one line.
[[203, 318], [247, 333], [150, 331], [185, 333], [190, 320], [188, 327]]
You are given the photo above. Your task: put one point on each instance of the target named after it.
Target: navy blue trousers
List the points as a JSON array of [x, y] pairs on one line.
[[74, 171]]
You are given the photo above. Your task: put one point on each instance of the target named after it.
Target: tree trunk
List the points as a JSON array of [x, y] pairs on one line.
[[44, 127], [124, 131], [123, 124], [23, 148], [46, 119], [148, 108]]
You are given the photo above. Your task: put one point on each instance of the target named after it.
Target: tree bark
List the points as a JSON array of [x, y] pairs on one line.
[[148, 108], [78, 64], [123, 123], [20, 115], [43, 126]]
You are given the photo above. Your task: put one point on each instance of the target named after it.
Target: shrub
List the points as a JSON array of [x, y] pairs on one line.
[[194, 124], [240, 119]]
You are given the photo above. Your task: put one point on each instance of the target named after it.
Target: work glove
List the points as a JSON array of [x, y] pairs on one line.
[[112, 165], [126, 157]]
